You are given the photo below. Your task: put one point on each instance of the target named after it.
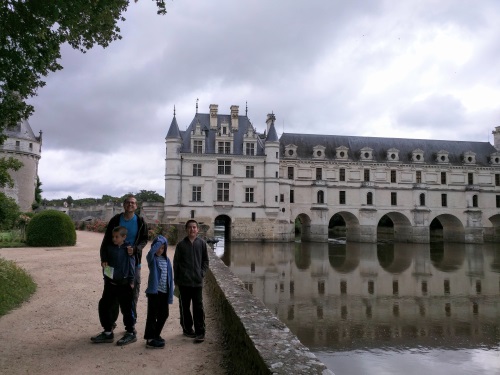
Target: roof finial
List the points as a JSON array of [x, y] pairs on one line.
[[197, 106], [174, 110], [246, 108]]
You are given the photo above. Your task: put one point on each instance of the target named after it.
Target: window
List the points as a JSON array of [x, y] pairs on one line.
[[319, 174], [367, 175], [342, 174], [393, 176], [446, 287], [290, 173], [498, 201], [196, 169], [250, 149], [224, 147], [369, 198], [341, 197], [292, 196], [343, 287], [321, 197], [418, 177], [424, 288], [18, 143], [31, 146], [497, 179], [250, 171], [224, 167], [371, 287], [249, 195], [443, 178], [196, 194], [282, 198], [474, 200], [422, 199], [198, 147], [394, 199], [253, 219], [470, 178], [321, 287], [444, 200], [223, 191], [395, 287]]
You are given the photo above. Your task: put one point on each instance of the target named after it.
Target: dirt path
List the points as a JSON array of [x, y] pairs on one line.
[[50, 334]]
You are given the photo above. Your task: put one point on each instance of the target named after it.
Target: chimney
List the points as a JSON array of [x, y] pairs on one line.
[[234, 117], [213, 116], [496, 138], [270, 120]]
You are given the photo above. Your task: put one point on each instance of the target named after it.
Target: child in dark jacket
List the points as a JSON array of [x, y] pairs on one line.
[[119, 272], [160, 292]]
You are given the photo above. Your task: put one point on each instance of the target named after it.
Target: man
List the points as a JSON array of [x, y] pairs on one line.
[[137, 235], [190, 266]]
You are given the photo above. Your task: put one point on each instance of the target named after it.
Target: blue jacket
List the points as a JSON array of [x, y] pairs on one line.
[[155, 270], [123, 264]]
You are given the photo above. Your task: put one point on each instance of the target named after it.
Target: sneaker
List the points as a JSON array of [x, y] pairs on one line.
[[189, 334], [160, 339], [102, 338], [127, 339], [155, 344], [199, 338]]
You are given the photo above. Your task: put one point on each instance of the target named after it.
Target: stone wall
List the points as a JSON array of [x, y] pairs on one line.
[[259, 342]]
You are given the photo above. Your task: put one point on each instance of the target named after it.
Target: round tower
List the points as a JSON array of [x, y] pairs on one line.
[[23, 145]]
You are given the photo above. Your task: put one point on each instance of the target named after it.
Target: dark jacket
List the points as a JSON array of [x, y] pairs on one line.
[[140, 241], [155, 270], [122, 263], [190, 262]]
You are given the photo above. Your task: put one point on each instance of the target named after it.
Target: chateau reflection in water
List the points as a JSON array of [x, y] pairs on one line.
[[361, 296]]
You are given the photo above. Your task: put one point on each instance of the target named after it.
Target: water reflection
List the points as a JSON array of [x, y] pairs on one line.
[[358, 304]]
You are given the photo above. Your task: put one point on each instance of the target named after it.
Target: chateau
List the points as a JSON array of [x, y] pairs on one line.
[[220, 169], [22, 144]]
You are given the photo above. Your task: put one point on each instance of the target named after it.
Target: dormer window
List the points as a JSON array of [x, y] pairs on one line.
[[341, 153], [442, 157], [469, 157], [417, 156], [495, 158], [319, 152], [197, 140], [290, 151], [393, 155], [366, 154]]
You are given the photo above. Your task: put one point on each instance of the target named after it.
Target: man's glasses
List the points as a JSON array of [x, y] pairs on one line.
[[132, 203]]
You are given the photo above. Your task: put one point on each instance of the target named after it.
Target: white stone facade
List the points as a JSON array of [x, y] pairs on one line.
[[221, 170]]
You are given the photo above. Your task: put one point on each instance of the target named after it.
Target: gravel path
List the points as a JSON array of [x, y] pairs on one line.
[[50, 333]]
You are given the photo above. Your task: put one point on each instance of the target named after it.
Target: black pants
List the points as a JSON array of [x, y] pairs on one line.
[[136, 291], [157, 315], [113, 295], [194, 295]]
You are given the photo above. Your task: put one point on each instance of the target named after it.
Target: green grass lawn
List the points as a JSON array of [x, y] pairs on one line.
[[11, 239], [16, 286]]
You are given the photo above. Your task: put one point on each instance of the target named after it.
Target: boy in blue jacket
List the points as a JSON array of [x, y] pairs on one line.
[[160, 292], [118, 266]]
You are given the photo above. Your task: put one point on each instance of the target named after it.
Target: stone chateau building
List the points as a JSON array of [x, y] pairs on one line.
[[22, 144], [221, 171]]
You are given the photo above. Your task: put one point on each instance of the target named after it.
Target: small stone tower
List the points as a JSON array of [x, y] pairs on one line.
[[22, 144]]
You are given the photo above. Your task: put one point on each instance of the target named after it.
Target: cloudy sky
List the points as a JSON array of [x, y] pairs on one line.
[[413, 68]]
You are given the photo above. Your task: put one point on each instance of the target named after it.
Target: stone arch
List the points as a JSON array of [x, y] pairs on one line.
[[225, 221], [402, 228], [352, 230], [394, 258], [492, 231], [453, 229], [305, 227]]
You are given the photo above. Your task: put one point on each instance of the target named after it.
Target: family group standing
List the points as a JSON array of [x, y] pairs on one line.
[[121, 254]]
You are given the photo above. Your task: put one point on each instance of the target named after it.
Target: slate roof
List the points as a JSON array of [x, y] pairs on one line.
[[210, 146], [306, 142], [22, 131]]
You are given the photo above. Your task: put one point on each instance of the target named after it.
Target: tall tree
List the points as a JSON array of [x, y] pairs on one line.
[[31, 35]]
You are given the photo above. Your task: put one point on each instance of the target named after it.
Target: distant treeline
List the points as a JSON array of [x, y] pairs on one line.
[[141, 196]]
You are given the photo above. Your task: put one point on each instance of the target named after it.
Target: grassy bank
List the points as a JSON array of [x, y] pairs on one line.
[[16, 286]]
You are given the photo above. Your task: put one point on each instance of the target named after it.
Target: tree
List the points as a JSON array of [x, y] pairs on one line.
[[9, 212], [7, 164], [38, 194], [148, 196], [31, 35]]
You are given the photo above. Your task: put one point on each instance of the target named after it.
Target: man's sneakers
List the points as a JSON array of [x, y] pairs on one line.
[[155, 344], [189, 334], [199, 338], [102, 338], [129, 338]]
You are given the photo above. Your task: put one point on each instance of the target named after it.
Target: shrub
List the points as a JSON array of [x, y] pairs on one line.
[[9, 212], [51, 228], [15, 286]]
